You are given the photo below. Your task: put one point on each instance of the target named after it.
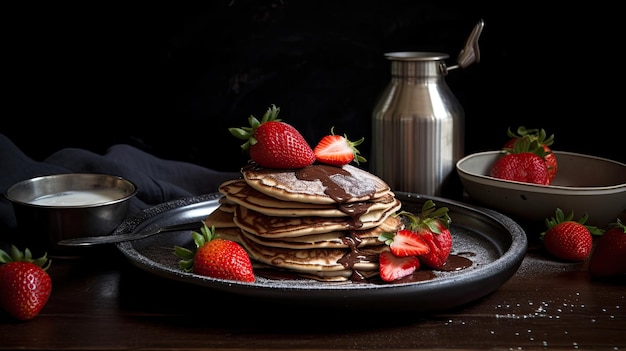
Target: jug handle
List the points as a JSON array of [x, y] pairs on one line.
[[470, 53]]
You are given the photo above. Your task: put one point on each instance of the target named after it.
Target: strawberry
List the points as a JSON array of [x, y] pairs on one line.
[[25, 284], [215, 257], [426, 238], [568, 239], [273, 143], [523, 163], [540, 136], [432, 225], [338, 150], [405, 243], [392, 267], [608, 258]]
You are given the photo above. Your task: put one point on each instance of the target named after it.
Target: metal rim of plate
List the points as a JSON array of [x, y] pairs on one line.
[[491, 228]]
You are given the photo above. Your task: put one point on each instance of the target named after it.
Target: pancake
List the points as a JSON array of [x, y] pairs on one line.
[[339, 264], [239, 192], [318, 222], [317, 184], [336, 239], [280, 227], [222, 217]]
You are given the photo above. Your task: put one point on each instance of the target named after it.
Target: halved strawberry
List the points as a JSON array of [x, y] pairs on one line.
[[392, 267], [432, 226], [405, 243], [338, 150]]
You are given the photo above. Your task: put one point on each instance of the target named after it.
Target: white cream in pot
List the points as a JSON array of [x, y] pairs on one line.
[[78, 197]]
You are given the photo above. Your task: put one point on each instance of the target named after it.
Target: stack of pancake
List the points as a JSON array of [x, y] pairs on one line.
[[320, 222]]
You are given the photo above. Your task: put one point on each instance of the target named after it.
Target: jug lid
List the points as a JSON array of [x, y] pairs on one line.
[[416, 56]]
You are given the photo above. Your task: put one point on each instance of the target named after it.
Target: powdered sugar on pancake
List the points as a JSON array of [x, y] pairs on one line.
[[349, 182]]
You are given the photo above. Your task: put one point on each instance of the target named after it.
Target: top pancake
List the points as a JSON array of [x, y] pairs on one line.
[[317, 184]]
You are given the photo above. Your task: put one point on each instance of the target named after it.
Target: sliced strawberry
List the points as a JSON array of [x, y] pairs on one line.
[[337, 150], [432, 226], [405, 243], [392, 267]]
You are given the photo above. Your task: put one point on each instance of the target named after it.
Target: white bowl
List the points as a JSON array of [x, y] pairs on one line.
[[583, 184]]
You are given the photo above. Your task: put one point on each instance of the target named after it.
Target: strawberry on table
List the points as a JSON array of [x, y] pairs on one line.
[[338, 150], [216, 257], [25, 286], [568, 239], [523, 163], [273, 143], [541, 137], [608, 257]]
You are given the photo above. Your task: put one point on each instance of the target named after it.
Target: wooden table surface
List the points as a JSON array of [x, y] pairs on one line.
[[100, 301]]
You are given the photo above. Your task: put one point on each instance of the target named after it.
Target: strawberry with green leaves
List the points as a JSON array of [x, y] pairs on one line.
[[608, 257], [273, 143], [216, 257], [426, 237], [338, 150], [522, 163], [544, 141], [432, 226], [25, 285], [568, 239]]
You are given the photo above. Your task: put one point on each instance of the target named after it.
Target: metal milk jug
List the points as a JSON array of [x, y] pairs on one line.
[[418, 123]]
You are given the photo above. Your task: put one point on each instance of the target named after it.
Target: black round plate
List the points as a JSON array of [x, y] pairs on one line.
[[495, 242]]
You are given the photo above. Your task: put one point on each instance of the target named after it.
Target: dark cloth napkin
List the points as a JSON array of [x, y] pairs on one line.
[[157, 180]]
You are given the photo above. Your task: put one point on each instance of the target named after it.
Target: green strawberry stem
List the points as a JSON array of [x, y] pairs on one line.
[[430, 216], [206, 234], [246, 133], [538, 134], [560, 217], [24, 256]]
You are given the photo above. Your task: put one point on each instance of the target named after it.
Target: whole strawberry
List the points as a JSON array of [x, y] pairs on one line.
[[215, 257], [338, 150], [273, 143], [25, 286], [544, 141], [608, 257], [523, 163], [567, 239]]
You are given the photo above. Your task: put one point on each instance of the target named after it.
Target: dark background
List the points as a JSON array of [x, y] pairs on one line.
[[171, 78]]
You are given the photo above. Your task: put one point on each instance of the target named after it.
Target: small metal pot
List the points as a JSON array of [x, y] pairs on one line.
[[63, 206]]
